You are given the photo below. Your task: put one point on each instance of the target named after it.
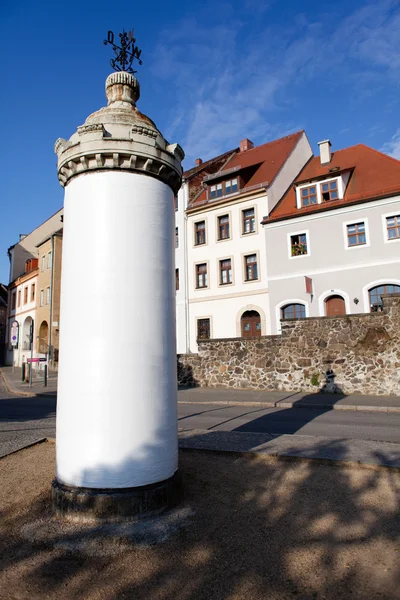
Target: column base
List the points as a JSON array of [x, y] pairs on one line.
[[123, 504]]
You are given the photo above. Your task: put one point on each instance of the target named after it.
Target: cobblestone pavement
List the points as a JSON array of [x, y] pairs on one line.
[[23, 421]]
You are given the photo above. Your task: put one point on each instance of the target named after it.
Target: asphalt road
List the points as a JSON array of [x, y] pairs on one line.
[[24, 420]]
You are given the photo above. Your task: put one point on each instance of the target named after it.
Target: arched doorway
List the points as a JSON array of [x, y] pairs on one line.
[[26, 344], [251, 324], [335, 306], [43, 337], [375, 300]]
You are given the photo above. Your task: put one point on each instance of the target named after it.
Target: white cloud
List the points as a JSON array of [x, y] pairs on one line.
[[232, 83], [393, 147]]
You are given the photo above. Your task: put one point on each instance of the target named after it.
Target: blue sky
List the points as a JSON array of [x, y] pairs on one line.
[[213, 73]]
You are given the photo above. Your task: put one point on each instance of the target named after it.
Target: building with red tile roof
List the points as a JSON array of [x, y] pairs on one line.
[[333, 240], [221, 273], [371, 175], [256, 167]]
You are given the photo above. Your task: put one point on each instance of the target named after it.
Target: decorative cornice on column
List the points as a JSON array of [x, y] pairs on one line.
[[120, 137]]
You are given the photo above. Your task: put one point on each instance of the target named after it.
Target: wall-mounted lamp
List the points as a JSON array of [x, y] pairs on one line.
[[356, 301]]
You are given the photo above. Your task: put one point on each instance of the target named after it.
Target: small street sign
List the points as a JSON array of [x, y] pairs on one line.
[[14, 333]]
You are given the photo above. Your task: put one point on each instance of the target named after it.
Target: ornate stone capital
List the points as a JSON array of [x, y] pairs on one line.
[[120, 137]]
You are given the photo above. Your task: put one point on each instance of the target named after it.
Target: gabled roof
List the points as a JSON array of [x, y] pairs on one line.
[[372, 175], [267, 160], [196, 175]]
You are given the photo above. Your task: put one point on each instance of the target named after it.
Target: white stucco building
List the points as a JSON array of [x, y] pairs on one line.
[[332, 242], [226, 287]]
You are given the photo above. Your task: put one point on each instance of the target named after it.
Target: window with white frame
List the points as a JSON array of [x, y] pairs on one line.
[[393, 227], [43, 263], [41, 297], [293, 311], [48, 295], [49, 260], [329, 190], [308, 195], [356, 235], [298, 244]]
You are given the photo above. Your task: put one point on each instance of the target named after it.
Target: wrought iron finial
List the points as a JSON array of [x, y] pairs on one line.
[[124, 54]]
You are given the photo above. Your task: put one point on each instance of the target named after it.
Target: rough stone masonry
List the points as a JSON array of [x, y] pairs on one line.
[[361, 353]]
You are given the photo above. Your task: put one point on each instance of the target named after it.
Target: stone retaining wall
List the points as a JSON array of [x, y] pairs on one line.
[[363, 351]]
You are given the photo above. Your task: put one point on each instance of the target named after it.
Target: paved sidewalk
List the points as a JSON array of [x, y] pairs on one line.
[[342, 451], [224, 397], [289, 400], [12, 379]]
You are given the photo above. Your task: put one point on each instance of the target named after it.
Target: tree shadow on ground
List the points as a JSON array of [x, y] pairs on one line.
[[261, 529]]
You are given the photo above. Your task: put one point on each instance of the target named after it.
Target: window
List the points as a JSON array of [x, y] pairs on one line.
[[298, 244], [251, 269], [216, 191], [201, 275], [393, 227], [48, 295], [176, 237], [329, 191], [200, 233], [309, 195], [356, 234], [33, 289], [176, 279], [293, 311], [13, 301], [41, 297], [176, 203], [26, 295], [43, 263], [223, 227], [49, 260], [203, 329], [19, 297], [225, 271], [249, 221], [375, 299], [231, 186]]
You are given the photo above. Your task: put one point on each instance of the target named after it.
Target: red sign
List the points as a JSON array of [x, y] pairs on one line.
[[309, 287]]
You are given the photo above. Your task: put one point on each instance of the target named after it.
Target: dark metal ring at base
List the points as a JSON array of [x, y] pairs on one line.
[[124, 504]]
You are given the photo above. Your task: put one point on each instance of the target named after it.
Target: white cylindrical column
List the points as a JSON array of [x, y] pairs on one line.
[[117, 394]]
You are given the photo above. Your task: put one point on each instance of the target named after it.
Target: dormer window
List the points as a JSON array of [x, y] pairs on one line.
[[224, 188], [329, 191], [216, 190], [231, 186], [309, 195]]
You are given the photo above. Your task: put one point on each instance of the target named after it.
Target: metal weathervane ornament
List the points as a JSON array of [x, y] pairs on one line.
[[126, 53]]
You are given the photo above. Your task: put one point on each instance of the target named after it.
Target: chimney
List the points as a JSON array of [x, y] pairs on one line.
[[246, 144], [325, 152], [198, 162]]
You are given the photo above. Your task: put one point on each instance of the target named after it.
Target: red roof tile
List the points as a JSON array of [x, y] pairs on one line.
[[269, 157], [372, 175]]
